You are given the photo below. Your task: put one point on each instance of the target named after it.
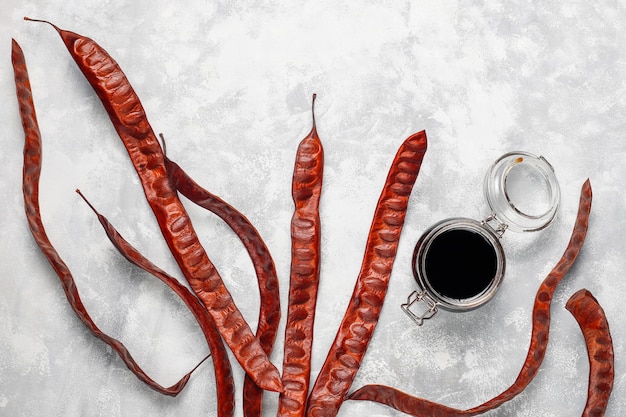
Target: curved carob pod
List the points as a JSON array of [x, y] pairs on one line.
[[129, 119], [595, 327], [358, 324], [304, 278], [269, 310], [538, 344], [30, 187], [543, 300], [225, 386]]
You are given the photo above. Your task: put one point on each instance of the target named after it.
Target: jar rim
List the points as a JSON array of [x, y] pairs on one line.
[[419, 263]]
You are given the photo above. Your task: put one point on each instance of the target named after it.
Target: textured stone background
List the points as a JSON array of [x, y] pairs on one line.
[[229, 84]]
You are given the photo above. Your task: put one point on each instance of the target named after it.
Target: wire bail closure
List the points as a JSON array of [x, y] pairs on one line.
[[499, 228], [414, 298]]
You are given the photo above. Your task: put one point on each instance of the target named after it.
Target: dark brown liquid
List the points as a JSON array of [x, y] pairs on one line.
[[460, 264]]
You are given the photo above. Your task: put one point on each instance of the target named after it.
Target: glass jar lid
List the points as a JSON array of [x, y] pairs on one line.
[[522, 191]]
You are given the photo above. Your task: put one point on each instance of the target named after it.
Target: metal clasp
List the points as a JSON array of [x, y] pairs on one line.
[[498, 228], [416, 297]]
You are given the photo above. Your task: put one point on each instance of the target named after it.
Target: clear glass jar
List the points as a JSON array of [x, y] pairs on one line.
[[459, 263]]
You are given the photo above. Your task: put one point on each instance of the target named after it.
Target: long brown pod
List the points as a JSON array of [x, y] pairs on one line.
[[269, 310], [305, 274], [595, 327], [538, 342], [130, 121], [30, 187], [225, 385], [358, 324], [405, 402], [543, 300]]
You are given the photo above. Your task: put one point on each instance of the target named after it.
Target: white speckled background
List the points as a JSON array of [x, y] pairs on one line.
[[229, 84]]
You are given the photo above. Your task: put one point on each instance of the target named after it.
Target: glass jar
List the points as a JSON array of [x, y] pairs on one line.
[[459, 263]]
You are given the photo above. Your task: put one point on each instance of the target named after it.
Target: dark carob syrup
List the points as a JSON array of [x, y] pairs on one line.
[[460, 264]]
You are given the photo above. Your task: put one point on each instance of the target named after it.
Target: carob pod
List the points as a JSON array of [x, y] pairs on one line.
[[130, 121], [543, 300], [269, 310], [538, 343], [225, 386], [358, 324], [305, 274], [30, 188], [595, 327]]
